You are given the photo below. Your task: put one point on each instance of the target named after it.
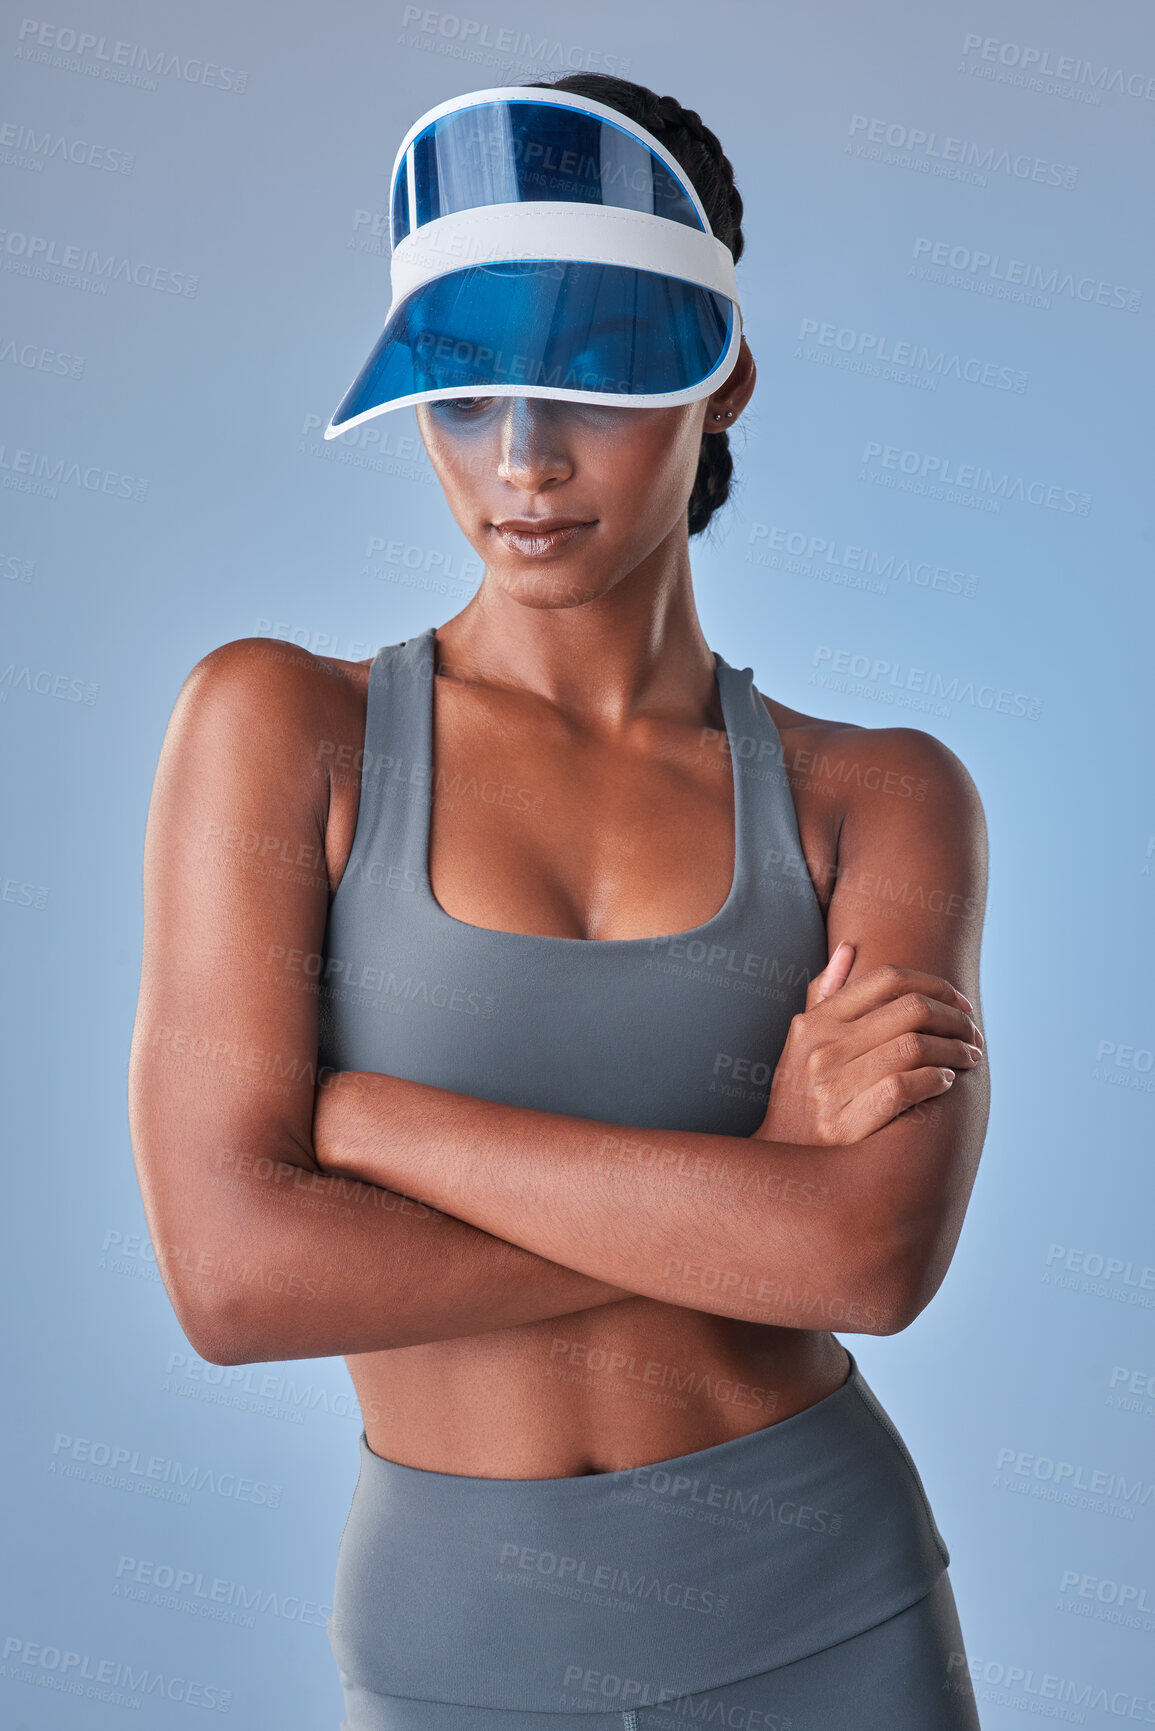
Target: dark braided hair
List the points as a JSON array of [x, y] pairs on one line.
[[691, 143]]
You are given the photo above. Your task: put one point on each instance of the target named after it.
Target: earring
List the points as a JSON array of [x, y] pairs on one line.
[[728, 416]]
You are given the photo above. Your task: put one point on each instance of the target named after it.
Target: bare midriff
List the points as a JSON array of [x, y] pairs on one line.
[[635, 1381], [619, 1386]]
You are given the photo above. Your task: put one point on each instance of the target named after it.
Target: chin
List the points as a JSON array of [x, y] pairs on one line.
[[552, 594], [549, 587]]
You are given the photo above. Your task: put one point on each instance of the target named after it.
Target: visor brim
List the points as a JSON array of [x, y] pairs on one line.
[[569, 330]]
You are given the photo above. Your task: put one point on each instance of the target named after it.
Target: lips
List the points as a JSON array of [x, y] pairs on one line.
[[537, 537]]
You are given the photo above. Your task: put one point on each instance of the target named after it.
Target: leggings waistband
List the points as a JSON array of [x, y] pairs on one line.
[[680, 1575]]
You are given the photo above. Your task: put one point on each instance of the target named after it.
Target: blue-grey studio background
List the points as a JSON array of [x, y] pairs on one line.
[[943, 521]]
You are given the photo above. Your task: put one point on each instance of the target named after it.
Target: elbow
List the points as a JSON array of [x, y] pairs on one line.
[[216, 1340], [217, 1345], [222, 1331], [894, 1314], [232, 1285], [901, 1276]]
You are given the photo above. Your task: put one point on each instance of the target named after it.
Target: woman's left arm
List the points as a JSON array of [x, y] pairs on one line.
[[854, 1236]]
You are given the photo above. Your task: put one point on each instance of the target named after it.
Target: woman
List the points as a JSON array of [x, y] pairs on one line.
[[544, 896]]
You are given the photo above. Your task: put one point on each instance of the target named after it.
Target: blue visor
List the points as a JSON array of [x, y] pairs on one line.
[[531, 151], [591, 328], [543, 248]]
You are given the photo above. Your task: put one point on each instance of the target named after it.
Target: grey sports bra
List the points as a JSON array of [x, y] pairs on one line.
[[672, 1032]]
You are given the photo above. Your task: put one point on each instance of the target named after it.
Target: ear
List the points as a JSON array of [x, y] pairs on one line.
[[727, 403]]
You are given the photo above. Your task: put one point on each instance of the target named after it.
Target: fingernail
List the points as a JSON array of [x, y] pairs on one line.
[[947, 1076], [975, 1053], [965, 1002]]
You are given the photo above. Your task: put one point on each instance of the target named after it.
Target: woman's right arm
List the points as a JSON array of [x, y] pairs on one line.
[[262, 1254]]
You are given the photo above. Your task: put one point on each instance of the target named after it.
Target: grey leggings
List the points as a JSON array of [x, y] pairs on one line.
[[789, 1580]]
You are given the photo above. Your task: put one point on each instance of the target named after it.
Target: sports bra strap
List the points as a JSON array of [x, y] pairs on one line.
[[393, 818], [766, 821]]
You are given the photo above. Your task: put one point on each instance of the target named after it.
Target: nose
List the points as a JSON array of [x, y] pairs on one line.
[[533, 447]]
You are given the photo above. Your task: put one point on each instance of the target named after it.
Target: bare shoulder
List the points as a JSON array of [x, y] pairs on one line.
[[843, 763], [261, 676], [895, 835], [264, 738], [273, 700]]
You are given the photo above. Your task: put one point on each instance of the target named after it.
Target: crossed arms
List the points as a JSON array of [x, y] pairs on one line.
[[373, 1212]]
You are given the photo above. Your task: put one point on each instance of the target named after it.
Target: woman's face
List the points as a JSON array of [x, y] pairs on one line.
[[612, 483]]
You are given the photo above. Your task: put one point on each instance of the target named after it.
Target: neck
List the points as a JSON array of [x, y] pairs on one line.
[[638, 647]]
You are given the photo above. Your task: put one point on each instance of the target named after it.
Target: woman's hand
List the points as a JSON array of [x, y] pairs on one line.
[[859, 1055]]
